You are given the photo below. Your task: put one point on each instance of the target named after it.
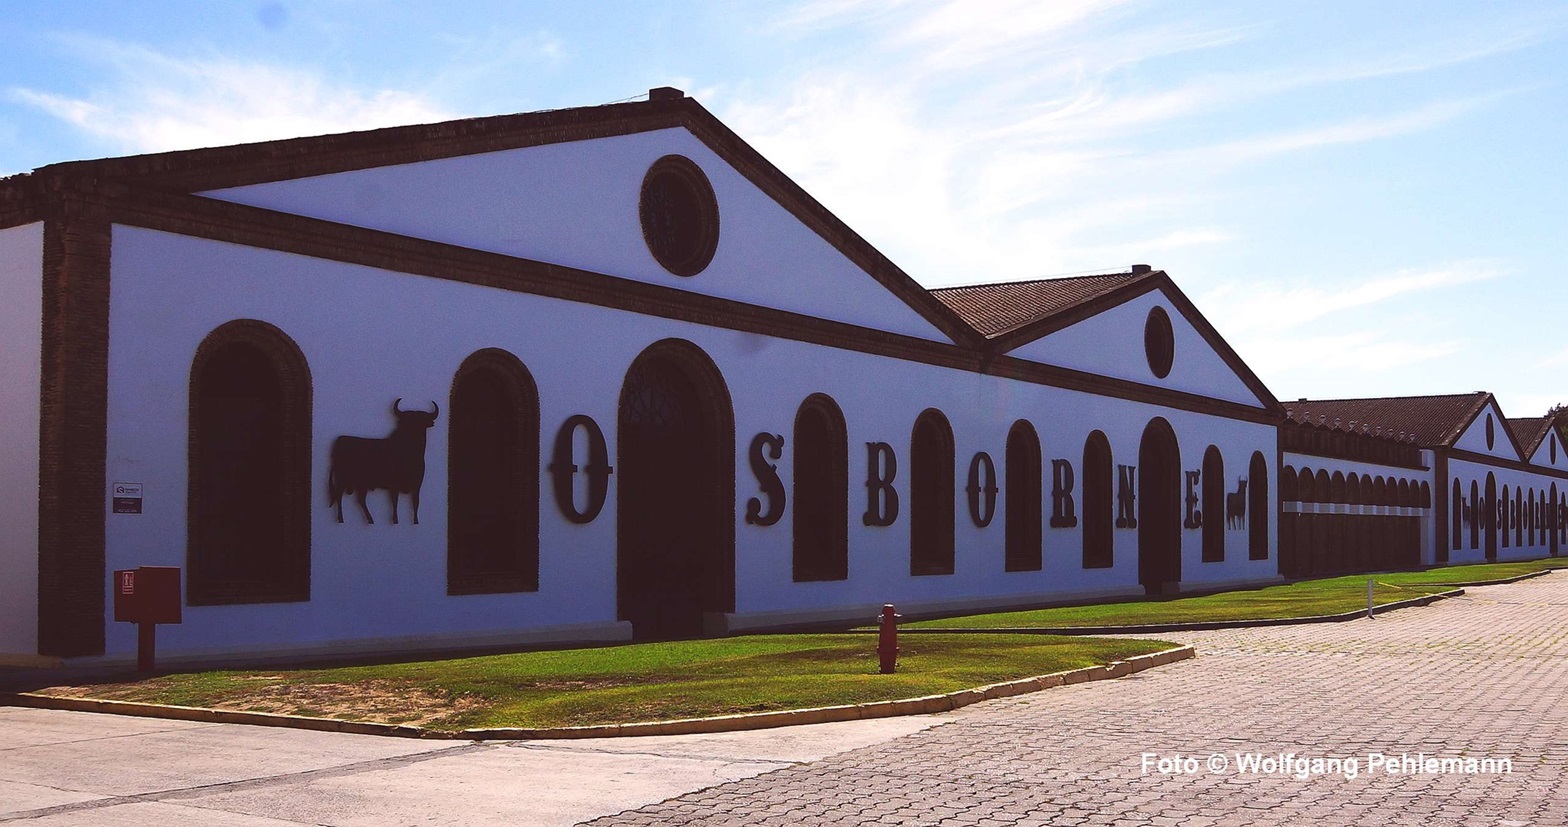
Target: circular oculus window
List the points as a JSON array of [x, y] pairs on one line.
[[680, 215], [1159, 342]]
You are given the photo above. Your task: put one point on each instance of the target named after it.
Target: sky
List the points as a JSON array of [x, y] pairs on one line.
[[1365, 199]]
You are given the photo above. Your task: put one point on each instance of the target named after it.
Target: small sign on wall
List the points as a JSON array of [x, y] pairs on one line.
[[127, 498]]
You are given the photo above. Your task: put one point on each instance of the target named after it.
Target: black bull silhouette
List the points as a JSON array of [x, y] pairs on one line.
[[395, 463]]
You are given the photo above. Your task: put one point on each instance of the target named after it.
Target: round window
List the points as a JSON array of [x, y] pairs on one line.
[[680, 216], [1159, 342]]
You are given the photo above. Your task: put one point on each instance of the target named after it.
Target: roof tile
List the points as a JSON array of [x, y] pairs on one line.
[[1002, 307], [1433, 420]]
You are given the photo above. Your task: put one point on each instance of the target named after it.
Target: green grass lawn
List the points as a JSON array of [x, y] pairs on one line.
[[621, 684], [1304, 599]]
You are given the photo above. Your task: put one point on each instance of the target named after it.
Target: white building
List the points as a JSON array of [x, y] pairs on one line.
[[1394, 482], [648, 387]]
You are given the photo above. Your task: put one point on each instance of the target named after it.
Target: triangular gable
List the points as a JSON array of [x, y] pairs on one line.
[[1543, 445], [562, 187], [1105, 335], [1487, 432]]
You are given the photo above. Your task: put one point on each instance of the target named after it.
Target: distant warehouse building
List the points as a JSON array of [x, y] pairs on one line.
[[1371, 484], [605, 374]]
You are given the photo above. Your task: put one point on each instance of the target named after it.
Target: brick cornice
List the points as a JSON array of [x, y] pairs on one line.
[[1499, 462], [257, 227]]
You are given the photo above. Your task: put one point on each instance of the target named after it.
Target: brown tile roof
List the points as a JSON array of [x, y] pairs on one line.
[[1529, 431], [995, 309], [1433, 420]]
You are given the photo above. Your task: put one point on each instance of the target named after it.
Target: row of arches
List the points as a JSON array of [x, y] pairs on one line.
[[1355, 531], [250, 483], [1485, 518]]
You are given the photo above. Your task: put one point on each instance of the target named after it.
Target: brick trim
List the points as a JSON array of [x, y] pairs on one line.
[[254, 227], [73, 430], [1156, 280], [224, 167], [1511, 464]]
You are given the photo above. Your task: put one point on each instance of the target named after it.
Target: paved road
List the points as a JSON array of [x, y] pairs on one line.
[[1482, 676]]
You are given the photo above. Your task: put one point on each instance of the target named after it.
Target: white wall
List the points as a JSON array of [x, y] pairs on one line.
[[1550, 453], [1111, 344], [370, 336], [1474, 437], [21, 319], [576, 204], [1465, 472]]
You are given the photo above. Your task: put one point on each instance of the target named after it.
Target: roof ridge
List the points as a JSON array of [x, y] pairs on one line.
[[1380, 398], [1045, 280]]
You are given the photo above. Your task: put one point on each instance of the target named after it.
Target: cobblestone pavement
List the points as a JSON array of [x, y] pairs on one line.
[[1484, 676]]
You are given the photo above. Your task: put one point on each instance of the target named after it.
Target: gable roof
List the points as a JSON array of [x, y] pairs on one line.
[[29, 196], [1003, 307], [1011, 314], [1529, 431], [1434, 421]]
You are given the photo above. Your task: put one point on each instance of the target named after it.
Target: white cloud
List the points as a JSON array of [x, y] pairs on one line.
[[153, 102], [1011, 139], [1272, 306]]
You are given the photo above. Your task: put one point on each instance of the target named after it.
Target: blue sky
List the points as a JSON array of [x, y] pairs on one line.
[[1364, 198]]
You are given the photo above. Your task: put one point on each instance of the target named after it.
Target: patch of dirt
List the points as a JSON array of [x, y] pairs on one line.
[[381, 701]]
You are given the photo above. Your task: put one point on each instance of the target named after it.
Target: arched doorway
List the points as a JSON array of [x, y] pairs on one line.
[[1159, 509], [1257, 507], [1489, 516], [1551, 520], [675, 469]]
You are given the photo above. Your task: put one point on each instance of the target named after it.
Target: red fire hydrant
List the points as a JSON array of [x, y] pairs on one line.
[[887, 640]]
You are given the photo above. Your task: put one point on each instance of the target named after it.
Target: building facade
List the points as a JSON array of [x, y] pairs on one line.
[[585, 375]]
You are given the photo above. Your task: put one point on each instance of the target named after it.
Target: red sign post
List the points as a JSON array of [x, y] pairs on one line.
[[147, 596]]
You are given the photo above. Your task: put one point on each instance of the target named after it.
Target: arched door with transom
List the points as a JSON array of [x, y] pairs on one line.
[[1159, 508], [675, 490]]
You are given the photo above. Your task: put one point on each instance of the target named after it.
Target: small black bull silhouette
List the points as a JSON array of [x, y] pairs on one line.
[[1236, 505], [395, 463]]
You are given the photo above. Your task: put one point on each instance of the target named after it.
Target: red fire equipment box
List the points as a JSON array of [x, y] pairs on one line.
[[149, 594]]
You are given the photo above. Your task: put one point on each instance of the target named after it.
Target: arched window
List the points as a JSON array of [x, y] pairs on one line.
[[1306, 486], [1527, 518], [931, 495], [1023, 498], [1097, 504], [1456, 519], [248, 517], [821, 491], [492, 529], [1518, 516], [1477, 519], [1214, 516], [1505, 512], [1287, 484], [1258, 508]]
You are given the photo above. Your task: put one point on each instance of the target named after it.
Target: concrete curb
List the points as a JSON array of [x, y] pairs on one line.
[[724, 723], [1515, 579], [1152, 628]]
